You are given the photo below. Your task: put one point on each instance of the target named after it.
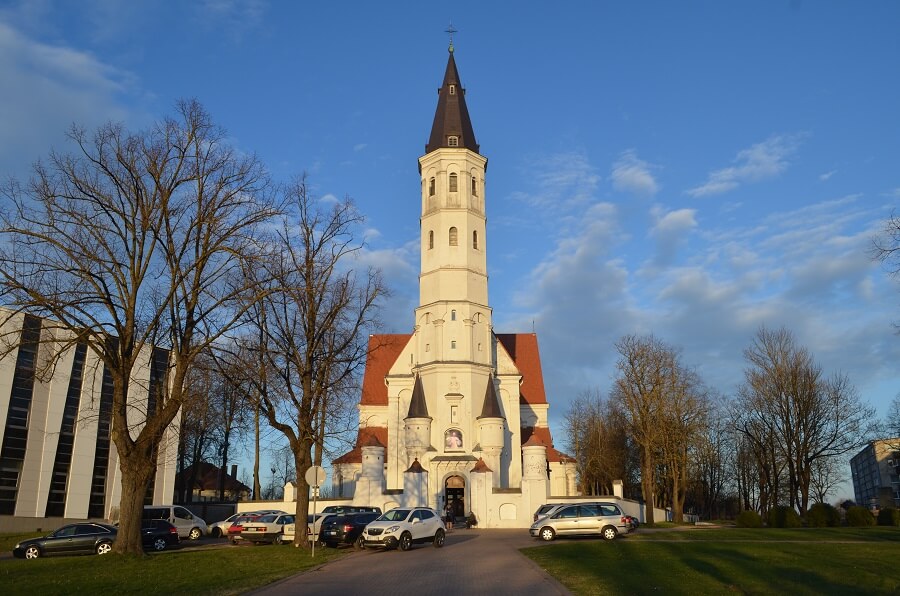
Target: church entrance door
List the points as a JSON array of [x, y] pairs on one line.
[[455, 494]]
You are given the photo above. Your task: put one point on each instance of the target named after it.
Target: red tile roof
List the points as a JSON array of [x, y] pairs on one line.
[[384, 349], [540, 435], [523, 349], [367, 436]]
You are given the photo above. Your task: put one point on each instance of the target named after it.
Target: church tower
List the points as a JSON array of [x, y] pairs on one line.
[[446, 409]]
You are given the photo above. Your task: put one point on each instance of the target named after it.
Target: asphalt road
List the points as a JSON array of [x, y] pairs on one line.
[[471, 562]]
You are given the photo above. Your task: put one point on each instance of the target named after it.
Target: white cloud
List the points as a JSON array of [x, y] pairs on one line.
[[827, 175], [670, 230], [759, 162], [47, 88], [561, 181], [360, 146], [633, 175]]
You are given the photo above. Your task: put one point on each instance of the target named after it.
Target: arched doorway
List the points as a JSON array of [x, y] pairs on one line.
[[455, 494]]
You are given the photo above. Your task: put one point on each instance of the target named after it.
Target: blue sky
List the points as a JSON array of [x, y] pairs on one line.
[[691, 169]]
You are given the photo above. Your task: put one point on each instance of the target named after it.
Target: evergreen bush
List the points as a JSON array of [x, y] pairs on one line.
[[823, 515], [859, 516], [748, 519], [784, 517], [889, 516]]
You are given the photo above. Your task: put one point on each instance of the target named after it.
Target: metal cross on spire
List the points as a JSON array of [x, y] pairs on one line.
[[450, 31]]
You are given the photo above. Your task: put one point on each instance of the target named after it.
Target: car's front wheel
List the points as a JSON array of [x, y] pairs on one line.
[[104, 548], [216, 532], [360, 543], [279, 539], [547, 534], [159, 544], [195, 534], [32, 552], [608, 533], [439, 538], [405, 541]]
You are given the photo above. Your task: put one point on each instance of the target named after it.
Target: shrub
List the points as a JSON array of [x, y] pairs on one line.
[[748, 519], [889, 516], [859, 516], [784, 517], [823, 515]]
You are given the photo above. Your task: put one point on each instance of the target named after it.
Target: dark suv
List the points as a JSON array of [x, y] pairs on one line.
[[345, 529]]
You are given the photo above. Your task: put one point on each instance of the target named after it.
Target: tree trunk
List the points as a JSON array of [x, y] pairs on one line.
[[136, 474], [647, 485], [257, 490], [302, 462]]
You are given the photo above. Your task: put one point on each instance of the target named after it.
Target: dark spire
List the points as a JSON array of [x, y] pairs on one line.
[[491, 407], [417, 407], [451, 119]]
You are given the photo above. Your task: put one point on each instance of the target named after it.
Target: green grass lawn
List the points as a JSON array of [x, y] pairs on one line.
[[718, 561], [228, 570]]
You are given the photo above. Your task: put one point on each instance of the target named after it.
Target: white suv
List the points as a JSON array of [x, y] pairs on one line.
[[403, 526]]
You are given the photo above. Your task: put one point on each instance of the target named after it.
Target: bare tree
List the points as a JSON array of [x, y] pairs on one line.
[[598, 439], [137, 240], [644, 369], [795, 416], [886, 246], [310, 328]]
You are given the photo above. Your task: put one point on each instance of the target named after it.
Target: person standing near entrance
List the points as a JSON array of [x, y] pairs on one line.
[[448, 515]]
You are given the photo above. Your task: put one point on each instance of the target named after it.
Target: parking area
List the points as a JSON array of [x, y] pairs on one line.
[[471, 562]]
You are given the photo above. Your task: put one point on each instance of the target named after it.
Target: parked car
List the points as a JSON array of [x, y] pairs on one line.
[[234, 530], [404, 526], [545, 509], [189, 525], [220, 528], [344, 509], [158, 534], [267, 528], [345, 529], [313, 526], [633, 522], [74, 539], [605, 519]]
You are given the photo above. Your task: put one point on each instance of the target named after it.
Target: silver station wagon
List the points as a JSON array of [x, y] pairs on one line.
[[603, 519]]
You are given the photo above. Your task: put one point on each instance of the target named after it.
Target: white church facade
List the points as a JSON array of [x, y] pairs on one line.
[[454, 412]]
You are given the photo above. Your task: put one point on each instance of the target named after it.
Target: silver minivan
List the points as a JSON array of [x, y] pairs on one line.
[[605, 519], [188, 524]]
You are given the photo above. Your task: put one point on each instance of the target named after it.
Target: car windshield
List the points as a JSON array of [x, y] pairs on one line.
[[395, 515]]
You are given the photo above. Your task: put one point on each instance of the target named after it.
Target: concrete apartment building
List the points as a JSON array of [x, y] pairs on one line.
[[876, 474]]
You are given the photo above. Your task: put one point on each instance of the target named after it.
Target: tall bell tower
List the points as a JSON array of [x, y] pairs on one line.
[[453, 310]]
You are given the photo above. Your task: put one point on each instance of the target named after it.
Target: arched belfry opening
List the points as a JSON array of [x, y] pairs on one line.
[[455, 494]]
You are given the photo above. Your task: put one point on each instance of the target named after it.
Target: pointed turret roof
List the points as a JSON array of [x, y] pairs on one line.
[[491, 407], [417, 406], [451, 119]]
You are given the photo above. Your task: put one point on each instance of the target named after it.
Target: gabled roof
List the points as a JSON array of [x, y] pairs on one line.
[[384, 349], [208, 478], [523, 349], [451, 118]]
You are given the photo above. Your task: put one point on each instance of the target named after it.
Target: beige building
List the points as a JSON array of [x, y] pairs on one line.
[[876, 474], [454, 413], [57, 459]]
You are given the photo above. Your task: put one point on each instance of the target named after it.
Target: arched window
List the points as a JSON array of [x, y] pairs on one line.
[[453, 183], [475, 240], [452, 315], [431, 187], [430, 239], [453, 237], [453, 344], [474, 186]]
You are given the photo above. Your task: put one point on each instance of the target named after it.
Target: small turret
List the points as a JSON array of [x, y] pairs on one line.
[[417, 424]]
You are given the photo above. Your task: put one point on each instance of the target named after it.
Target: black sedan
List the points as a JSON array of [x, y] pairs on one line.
[[345, 529], [158, 534], [74, 539]]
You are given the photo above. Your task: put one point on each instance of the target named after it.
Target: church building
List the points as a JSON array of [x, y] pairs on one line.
[[454, 412]]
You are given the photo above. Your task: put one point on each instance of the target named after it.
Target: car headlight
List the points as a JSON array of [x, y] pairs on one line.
[[392, 529]]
